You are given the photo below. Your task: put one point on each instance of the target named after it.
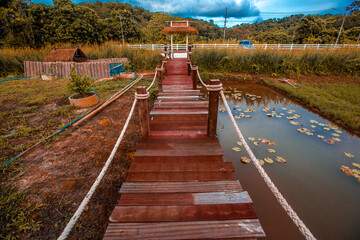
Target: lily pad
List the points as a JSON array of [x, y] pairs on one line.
[[236, 149], [326, 128], [222, 109], [313, 126], [309, 133], [269, 115], [256, 143], [338, 131], [245, 160], [313, 121], [270, 150], [251, 138], [356, 165], [321, 136], [348, 155], [294, 123], [280, 159], [261, 162], [268, 160], [240, 143], [335, 134], [336, 139]]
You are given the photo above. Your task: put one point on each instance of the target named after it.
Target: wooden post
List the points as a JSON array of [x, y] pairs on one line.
[[189, 47], [189, 56], [143, 113], [213, 109], [189, 68], [194, 77], [165, 67], [159, 72]]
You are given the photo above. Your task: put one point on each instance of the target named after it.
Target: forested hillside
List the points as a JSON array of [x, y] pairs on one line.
[[27, 24]]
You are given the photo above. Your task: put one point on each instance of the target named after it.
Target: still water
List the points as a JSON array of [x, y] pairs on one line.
[[325, 198]]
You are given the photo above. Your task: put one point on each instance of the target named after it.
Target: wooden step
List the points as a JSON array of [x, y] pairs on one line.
[[227, 229], [180, 159], [181, 166], [183, 146], [180, 176], [180, 199], [179, 134], [178, 126], [179, 152], [184, 104], [181, 187], [182, 213]]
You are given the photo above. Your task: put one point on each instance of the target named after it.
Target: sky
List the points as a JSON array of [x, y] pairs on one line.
[[238, 11]]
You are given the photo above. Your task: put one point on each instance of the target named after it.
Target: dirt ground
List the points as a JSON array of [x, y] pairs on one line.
[[60, 174]]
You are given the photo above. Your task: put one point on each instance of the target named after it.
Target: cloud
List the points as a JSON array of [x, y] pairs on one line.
[[201, 8]]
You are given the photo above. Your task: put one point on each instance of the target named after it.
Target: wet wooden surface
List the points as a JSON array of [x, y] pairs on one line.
[[178, 186]]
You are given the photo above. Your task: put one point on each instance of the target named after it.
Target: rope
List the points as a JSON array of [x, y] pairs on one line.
[[285, 205], [152, 81], [198, 73], [88, 196], [140, 96], [212, 88]]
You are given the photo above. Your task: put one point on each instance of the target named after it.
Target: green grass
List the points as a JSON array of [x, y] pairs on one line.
[[278, 62], [338, 100], [31, 110]]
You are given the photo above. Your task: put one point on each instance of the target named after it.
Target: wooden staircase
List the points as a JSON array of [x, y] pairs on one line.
[[178, 185]]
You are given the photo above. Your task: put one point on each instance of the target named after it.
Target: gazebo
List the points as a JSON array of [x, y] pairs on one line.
[[179, 27]]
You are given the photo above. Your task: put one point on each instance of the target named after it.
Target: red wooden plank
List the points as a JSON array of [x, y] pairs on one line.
[[179, 134], [144, 159], [247, 228], [181, 187], [183, 166], [180, 176], [182, 213], [183, 199]]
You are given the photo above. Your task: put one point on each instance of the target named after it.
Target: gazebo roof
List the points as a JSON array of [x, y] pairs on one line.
[[179, 27]]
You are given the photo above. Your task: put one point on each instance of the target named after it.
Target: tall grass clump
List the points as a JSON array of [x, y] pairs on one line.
[[338, 100], [323, 62], [12, 59]]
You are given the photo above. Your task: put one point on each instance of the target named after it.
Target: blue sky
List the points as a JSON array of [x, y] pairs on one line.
[[239, 11]]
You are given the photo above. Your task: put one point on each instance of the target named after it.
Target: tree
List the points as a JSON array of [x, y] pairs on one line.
[[157, 23], [310, 26], [112, 27]]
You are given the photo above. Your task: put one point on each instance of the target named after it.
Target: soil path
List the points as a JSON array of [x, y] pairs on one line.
[[59, 174]]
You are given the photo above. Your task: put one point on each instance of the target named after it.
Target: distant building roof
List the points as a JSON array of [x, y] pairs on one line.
[[179, 27], [65, 55]]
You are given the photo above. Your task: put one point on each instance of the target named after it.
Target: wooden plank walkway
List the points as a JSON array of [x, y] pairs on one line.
[[178, 185]]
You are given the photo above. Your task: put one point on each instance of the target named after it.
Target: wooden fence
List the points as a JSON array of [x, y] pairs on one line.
[[94, 68]]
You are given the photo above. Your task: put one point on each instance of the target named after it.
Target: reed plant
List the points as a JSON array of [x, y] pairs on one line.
[[12, 59], [260, 61]]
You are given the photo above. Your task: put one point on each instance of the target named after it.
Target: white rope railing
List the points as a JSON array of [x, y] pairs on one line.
[[279, 197], [88, 196]]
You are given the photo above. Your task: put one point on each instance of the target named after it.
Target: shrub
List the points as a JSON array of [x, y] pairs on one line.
[[79, 84]]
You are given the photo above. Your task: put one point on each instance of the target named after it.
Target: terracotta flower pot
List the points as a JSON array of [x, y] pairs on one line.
[[83, 102], [47, 77]]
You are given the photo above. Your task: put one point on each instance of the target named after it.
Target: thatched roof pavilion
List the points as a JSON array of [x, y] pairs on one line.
[[179, 27], [65, 55]]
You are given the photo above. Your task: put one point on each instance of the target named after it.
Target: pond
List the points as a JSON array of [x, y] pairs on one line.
[[324, 197]]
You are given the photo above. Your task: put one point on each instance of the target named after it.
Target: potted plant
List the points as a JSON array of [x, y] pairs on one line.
[[129, 73], [81, 86], [49, 76]]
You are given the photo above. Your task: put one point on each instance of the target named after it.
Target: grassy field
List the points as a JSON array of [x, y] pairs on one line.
[[278, 62], [339, 101], [12, 59], [32, 109]]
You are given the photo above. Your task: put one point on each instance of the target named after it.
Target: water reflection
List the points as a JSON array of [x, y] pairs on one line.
[[324, 197]]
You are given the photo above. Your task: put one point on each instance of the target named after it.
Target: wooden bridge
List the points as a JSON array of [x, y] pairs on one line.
[[178, 185]]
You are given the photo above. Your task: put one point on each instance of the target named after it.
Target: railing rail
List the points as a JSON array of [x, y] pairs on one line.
[[289, 47]]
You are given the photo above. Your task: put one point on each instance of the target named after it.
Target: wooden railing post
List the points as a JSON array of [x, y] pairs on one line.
[[189, 56], [143, 113], [165, 67], [213, 109], [189, 47], [159, 72], [189, 67], [194, 76]]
